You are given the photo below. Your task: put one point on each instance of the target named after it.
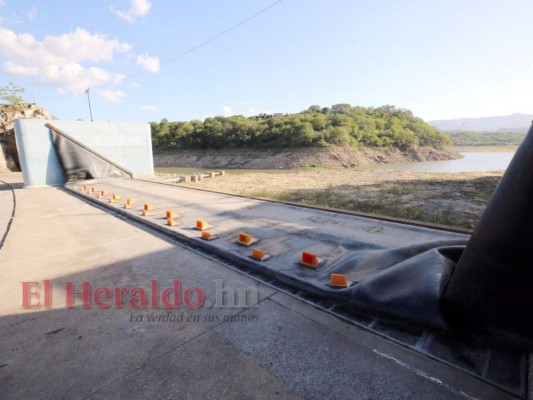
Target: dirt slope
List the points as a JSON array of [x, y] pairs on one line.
[[331, 157]]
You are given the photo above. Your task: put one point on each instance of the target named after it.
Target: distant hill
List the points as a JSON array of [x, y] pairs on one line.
[[508, 123]]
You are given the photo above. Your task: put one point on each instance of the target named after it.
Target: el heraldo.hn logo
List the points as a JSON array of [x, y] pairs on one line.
[[41, 294]]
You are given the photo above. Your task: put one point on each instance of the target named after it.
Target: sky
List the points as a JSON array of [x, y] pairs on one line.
[[145, 60]]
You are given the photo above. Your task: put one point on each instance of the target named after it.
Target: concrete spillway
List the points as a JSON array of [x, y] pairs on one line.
[[398, 271], [397, 274], [276, 346]]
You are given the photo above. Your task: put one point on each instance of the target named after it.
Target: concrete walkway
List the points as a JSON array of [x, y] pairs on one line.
[[272, 347]]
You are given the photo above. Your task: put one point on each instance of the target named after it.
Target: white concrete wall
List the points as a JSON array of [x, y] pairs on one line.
[[127, 144]]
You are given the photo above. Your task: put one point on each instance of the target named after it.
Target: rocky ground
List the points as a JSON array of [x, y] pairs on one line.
[[8, 147], [451, 199]]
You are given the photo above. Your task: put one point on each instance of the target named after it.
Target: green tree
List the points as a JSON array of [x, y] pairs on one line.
[[12, 93], [313, 109], [385, 126]]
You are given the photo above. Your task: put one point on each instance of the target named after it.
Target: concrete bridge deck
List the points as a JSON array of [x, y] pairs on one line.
[[274, 347]]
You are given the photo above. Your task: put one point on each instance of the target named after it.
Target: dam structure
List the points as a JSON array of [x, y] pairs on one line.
[[116, 284]]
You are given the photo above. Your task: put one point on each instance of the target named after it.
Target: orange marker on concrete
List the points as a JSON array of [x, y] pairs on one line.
[[171, 214], [128, 203], [115, 198], [171, 222], [260, 255], [207, 236], [310, 260], [201, 225], [148, 207], [245, 239], [338, 281]]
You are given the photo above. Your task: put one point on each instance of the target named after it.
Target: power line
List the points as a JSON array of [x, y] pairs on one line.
[[211, 39], [193, 48]]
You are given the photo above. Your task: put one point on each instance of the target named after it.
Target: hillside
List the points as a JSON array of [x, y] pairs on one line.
[[508, 123], [341, 124], [473, 138]]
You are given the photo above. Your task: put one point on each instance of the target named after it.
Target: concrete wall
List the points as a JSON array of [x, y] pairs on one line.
[[127, 144]]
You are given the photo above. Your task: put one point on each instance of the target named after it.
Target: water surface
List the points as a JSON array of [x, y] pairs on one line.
[[471, 161]]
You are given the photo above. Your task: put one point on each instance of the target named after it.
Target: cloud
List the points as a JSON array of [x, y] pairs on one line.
[[150, 64], [19, 70], [67, 78], [74, 78], [56, 61], [32, 14], [149, 107], [227, 111], [112, 96], [81, 45], [135, 85], [12, 18], [75, 46], [138, 8]]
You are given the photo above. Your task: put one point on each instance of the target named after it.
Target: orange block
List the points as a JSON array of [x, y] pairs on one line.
[[201, 225], [338, 280], [171, 214], [145, 213], [128, 203], [148, 207], [310, 260], [245, 239], [207, 236], [259, 255], [94, 189], [85, 187], [171, 222], [115, 198]]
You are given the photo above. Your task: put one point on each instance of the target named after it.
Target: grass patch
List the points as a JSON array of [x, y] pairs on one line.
[[447, 199], [178, 171], [329, 198]]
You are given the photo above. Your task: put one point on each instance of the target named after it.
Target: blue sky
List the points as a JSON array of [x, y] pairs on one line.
[[441, 59]]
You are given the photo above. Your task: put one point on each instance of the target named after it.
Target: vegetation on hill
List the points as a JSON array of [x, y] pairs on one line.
[[474, 138], [316, 126]]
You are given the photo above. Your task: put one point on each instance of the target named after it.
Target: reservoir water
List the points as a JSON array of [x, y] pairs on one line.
[[477, 161]]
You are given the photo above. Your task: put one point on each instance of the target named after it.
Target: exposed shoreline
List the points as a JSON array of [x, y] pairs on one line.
[[329, 157]]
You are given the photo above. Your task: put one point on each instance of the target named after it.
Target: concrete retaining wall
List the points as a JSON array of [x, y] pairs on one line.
[[127, 144]]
